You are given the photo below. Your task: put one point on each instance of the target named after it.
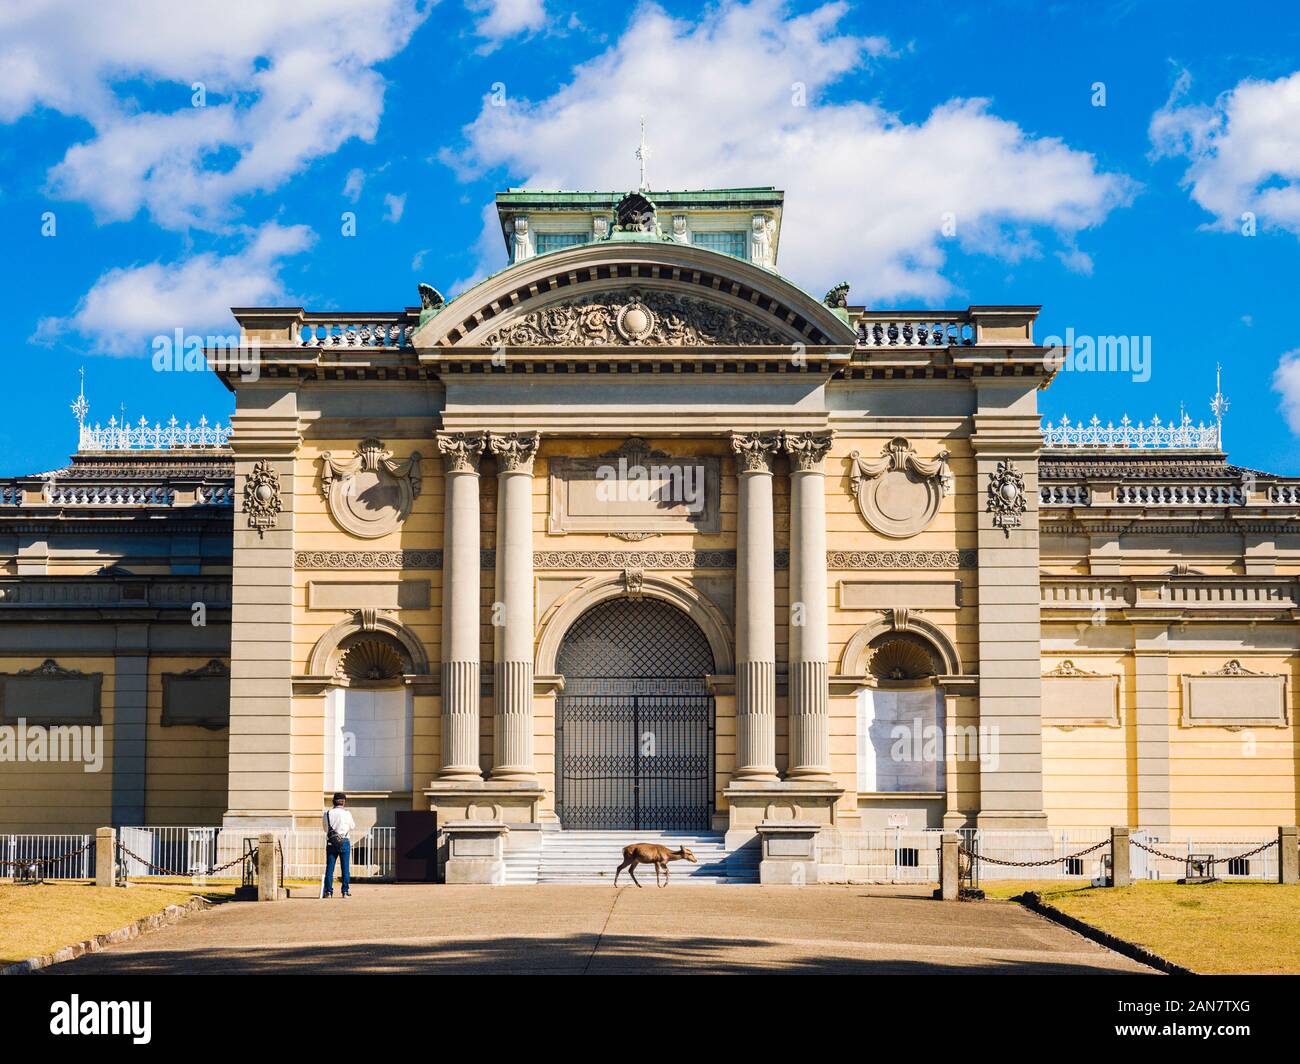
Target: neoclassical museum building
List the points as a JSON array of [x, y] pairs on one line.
[[636, 535]]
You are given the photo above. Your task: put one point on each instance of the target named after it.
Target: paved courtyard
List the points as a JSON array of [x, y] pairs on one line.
[[601, 930]]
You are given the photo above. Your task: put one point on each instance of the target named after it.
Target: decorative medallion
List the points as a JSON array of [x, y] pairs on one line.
[[371, 492], [1006, 496], [262, 497], [635, 321], [898, 493], [649, 317]]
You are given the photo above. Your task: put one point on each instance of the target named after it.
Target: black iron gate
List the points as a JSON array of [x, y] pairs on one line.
[[634, 726]]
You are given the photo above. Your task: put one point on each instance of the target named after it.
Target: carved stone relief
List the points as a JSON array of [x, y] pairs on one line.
[[370, 493], [634, 317], [262, 497], [898, 494]]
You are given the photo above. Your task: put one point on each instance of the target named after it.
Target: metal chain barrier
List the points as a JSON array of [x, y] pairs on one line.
[[40, 862], [974, 856], [1181, 858], [158, 870]]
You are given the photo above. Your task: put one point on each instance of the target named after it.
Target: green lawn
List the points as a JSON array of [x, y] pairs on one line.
[[1212, 928]]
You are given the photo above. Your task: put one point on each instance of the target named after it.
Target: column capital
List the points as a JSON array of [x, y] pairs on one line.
[[461, 451], [514, 451], [806, 449], [755, 450]]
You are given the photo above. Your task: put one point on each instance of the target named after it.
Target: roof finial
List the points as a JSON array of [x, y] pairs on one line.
[[81, 408], [642, 154], [1219, 404]]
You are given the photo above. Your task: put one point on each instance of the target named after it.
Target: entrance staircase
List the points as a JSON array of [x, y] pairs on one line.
[[592, 857]]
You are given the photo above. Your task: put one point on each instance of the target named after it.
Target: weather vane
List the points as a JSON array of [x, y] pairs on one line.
[[642, 154]]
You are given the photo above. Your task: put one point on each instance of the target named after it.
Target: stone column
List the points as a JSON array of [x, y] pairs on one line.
[[809, 694], [755, 607], [460, 605], [513, 628]]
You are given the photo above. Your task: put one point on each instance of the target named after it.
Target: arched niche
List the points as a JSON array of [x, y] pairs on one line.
[[901, 632], [369, 641]]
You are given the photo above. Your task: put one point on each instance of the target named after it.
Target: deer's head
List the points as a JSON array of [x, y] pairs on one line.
[[686, 855]]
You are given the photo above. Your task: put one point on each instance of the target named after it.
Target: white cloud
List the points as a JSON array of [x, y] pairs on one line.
[[128, 305], [285, 83], [866, 192], [502, 19], [394, 206], [355, 182], [1244, 150], [1286, 382]]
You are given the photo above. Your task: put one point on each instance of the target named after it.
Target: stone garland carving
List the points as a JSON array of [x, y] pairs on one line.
[[52, 670], [755, 450], [262, 497], [902, 559], [1069, 668], [461, 451], [650, 318], [370, 493], [1006, 497], [898, 494], [515, 451], [806, 449], [1234, 668]]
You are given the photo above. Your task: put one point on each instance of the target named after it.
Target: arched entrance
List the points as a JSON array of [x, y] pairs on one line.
[[634, 725]]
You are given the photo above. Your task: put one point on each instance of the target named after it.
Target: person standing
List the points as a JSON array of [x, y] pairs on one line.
[[338, 826]]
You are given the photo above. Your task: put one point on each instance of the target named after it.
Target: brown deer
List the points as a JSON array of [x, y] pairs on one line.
[[649, 853]]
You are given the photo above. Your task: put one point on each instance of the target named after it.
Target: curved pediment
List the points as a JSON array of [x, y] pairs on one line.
[[650, 293]]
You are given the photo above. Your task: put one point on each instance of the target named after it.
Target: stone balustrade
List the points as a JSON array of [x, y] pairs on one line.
[[110, 495], [879, 329], [356, 330]]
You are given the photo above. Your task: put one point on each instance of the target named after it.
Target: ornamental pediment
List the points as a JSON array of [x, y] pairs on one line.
[[638, 317]]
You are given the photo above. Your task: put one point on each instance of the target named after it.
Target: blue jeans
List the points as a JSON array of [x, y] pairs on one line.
[[345, 855]]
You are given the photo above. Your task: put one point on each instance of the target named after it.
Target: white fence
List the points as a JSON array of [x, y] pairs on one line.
[[186, 851], [44, 854]]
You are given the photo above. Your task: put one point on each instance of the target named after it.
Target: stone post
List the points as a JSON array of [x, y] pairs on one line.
[[1288, 857], [105, 857], [475, 851], [950, 866], [809, 693], [789, 852], [1121, 874], [755, 608], [512, 731], [268, 888], [460, 606]]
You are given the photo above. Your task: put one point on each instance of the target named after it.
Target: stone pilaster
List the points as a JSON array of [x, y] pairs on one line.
[[265, 440], [513, 629], [130, 723], [461, 453], [1151, 731], [809, 693], [1010, 649], [755, 608]]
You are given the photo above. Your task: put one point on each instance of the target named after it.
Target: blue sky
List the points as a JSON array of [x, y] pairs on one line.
[[1170, 213]]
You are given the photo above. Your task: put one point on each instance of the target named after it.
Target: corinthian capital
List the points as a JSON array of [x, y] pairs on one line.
[[755, 450], [515, 451], [461, 451], [806, 449]]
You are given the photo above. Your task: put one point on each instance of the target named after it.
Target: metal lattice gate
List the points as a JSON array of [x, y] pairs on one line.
[[634, 726]]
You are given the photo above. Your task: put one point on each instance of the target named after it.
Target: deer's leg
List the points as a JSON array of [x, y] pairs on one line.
[[632, 872], [665, 882]]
